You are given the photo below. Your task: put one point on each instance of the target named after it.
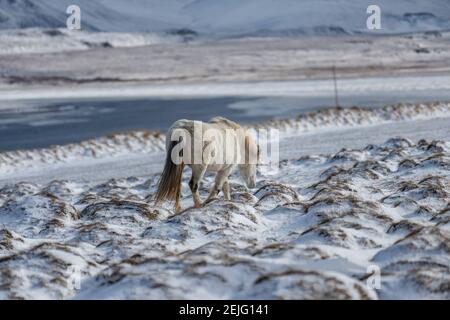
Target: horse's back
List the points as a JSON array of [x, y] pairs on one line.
[[224, 122], [182, 124], [217, 123]]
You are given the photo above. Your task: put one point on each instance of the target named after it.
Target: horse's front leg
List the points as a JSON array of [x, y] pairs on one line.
[[221, 179]]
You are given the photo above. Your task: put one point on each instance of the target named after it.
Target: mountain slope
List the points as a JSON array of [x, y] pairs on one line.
[[231, 17]]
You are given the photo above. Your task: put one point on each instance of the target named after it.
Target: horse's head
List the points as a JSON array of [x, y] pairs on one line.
[[247, 168]]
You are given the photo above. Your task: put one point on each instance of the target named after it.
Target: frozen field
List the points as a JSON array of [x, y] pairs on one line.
[[91, 59], [310, 230]]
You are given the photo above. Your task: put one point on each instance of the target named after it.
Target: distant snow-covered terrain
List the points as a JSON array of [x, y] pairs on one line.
[[36, 40], [55, 57], [231, 17]]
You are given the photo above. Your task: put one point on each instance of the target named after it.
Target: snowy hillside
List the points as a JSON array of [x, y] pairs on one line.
[[231, 17], [310, 232], [313, 230]]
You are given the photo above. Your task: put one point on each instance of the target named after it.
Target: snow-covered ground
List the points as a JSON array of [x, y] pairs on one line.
[[358, 189], [415, 85], [311, 230]]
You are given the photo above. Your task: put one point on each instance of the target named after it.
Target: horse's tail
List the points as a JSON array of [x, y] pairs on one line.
[[169, 186]]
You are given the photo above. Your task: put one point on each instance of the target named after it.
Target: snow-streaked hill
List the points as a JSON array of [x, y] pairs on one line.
[[315, 230], [231, 17]]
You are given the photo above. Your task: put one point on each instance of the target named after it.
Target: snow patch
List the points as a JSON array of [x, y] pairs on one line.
[[113, 145], [356, 116], [36, 40]]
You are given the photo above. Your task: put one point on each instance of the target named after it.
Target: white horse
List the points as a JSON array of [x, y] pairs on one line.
[[223, 146]]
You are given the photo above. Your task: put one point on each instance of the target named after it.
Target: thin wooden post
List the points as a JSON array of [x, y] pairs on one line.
[[336, 95]]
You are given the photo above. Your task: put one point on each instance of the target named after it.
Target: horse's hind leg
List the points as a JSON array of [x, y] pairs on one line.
[[226, 190], [197, 174], [177, 206]]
